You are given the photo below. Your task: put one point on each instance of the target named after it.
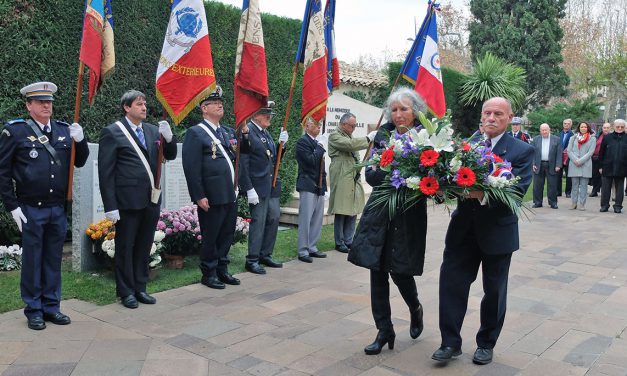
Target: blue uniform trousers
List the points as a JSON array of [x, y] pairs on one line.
[[42, 249]]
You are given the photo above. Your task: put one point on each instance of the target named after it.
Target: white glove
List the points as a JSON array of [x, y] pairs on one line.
[[371, 136], [327, 195], [164, 129], [113, 215], [18, 217], [323, 139], [76, 132], [283, 137], [253, 199]]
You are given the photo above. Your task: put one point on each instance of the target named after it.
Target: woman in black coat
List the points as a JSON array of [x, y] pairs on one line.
[[396, 246]]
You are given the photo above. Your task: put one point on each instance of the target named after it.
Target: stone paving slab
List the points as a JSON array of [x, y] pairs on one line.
[[567, 315]]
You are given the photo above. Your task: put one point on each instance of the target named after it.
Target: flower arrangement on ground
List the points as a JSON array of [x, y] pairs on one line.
[[429, 162], [241, 230], [10, 257], [182, 230]]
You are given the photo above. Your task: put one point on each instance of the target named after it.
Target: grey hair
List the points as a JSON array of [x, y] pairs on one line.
[[417, 103], [129, 97], [622, 121], [344, 119]]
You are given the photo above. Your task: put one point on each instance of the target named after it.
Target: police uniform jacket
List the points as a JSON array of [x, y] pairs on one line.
[[309, 155], [257, 164], [39, 180], [124, 182], [206, 169]]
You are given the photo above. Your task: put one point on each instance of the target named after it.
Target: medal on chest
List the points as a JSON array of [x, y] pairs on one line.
[[214, 148], [33, 154]]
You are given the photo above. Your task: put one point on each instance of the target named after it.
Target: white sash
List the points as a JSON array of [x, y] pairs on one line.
[[226, 156], [155, 193]]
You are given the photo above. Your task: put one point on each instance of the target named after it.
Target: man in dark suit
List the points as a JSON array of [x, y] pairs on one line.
[[565, 136], [486, 235], [35, 155], [255, 177], [517, 131], [208, 163], [128, 192], [547, 163], [311, 184]]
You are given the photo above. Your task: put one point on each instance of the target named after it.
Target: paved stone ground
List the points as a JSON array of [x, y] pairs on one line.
[[567, 315]]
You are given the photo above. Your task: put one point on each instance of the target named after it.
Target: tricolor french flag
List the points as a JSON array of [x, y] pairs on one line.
[[311, 53], [333, 67], [251, 76], [185, 74], [422, 65]]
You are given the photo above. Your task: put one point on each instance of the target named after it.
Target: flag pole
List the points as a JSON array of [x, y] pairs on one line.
[[238, 137], [77, 115], [398, 76], [164, 115], [284, 128]]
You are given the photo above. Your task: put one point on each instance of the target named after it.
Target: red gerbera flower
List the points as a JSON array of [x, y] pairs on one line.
[[387, 157], [466, 177], [429, 158], [465, 146], [429, 185]]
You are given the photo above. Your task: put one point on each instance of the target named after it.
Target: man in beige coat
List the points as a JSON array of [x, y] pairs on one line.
[[347, 193]]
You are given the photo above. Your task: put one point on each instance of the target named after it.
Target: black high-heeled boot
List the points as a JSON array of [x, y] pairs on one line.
[[416, 325], [384, 336]]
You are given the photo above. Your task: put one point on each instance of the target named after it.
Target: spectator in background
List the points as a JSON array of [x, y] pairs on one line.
[[547, 163], [477, 136], [580, 150], [565, 136], [613, 157], [596, 163], [517, 131]]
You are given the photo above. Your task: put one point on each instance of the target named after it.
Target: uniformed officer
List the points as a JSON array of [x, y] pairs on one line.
[[209, 164], [35, 153], [257, 169]]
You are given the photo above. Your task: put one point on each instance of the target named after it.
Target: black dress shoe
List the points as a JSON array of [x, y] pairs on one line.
[[593, 194], [269, 262], [553, 206], [617, 210], [36, 323], [482, 356], [129, 301], [416, 325], [57, 318], [228, 279], [536, 206], [384, 336], [341, 248], [317, 254], [445, 353], [567, 195], [142, 297], [255, 268], [212, 282], [604, 209], [305, 259]]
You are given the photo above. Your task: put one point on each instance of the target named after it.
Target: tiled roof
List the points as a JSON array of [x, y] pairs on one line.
[[352, 75]]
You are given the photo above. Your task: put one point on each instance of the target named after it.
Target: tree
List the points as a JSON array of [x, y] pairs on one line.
[[526, 33], [493, 77], [453, 38]]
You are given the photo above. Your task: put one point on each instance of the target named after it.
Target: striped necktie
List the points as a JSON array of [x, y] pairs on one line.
[[140, 136]]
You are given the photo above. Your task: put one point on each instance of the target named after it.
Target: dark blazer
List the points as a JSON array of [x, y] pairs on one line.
[[38, 182], [613, 154], [522, 136], [394, 245], [309, 155], [565, 138], [495, 226], [124, 182], [208, 177], [555, 153], [257, 161]]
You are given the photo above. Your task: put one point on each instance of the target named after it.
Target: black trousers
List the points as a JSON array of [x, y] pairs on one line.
[[606, 191], [217, 227], [538, 185], [458, 271], [134, 235], [596, 175], [380, 296]]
